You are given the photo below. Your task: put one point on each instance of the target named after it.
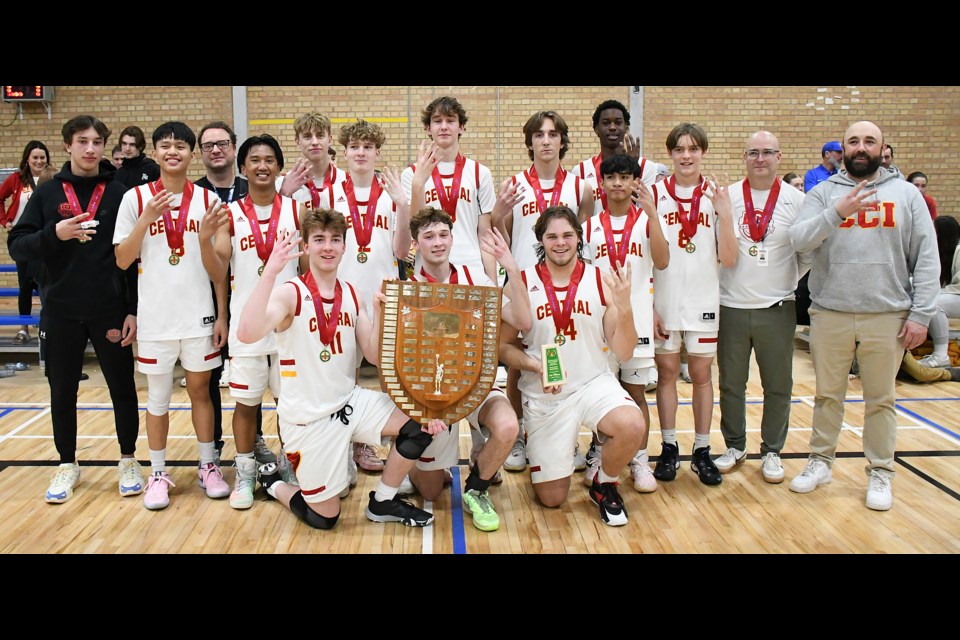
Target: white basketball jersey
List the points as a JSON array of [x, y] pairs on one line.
[[463, 276], [688, 291], [174, 300], [302, 195], [589, 169], [767, 271], [641, 269], [245, 266], [523, 242], [378, 258], [311, 389], [476, 198], [584, 351]]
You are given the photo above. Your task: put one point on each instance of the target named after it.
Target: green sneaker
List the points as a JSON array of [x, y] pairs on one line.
[[481, 509]]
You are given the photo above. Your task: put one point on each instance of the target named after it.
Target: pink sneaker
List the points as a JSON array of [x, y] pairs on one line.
[[212, 481], [366, 456], [156, 496]]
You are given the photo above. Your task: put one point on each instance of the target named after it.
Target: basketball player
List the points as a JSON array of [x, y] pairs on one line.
[[313, 173], [695, 214], [175, 310], [433, 232], [320, 326], [592, 327], [624, 234], [245, 234]]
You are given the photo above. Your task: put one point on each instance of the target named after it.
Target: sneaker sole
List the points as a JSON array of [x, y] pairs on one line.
[[607, 522], [479, 526], [407, 522], [131, 492], [811, 489], [773, 479], [875, 507], [736, 464], [156, 507], [56, 500], [240, 506], [509, 467]]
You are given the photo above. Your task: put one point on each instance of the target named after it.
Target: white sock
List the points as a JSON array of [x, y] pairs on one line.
[[385, 493], [158, 461], [641, 457], [603, 478], [208, 452], [669, 436], [701, 440]]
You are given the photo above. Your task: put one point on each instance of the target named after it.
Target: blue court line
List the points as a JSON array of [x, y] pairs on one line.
[[933, 424], [5, 412], [456, 513]]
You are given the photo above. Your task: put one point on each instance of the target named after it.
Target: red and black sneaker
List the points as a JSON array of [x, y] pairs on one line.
[[612, 510]]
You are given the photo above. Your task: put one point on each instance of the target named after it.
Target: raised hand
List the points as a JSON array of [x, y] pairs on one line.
[[156, 205], [631, 146], [492, 242], [296, 177], [217, 215], [428, 157], [855, 201], [391, 184], [72, 229], [285, 249], [643, 197], [618, 282]]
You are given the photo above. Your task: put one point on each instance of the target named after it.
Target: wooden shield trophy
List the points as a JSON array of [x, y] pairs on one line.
[[438, 347]]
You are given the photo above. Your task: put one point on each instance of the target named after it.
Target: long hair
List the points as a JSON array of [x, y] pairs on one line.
[[948, 236], [26, 177]]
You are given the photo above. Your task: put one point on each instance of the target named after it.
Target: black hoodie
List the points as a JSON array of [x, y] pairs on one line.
[[80, 281], [137, 171]]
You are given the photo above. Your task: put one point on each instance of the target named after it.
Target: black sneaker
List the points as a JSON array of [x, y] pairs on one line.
[[606, 496], [704, 467], [668, 462], [397, 510], [269, 475], [591, 454]]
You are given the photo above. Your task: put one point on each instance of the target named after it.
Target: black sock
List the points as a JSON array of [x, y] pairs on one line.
[[475, 482]]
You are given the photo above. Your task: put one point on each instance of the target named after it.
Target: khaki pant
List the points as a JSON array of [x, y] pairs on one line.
[[835, 338]]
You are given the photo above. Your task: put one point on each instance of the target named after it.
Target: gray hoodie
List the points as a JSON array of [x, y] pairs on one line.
[[865, 267]]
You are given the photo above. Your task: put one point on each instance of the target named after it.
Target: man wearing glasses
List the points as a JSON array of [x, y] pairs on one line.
[[758, 307], [218, 148]]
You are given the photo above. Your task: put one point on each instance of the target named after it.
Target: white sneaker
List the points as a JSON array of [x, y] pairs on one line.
[[816, 472], [64, 480], [225, 376], [642, 475], [183, 382], [285, 469], [772, 468], [579, 460], [246, 483], [517, 460], [935, 361], [592, 470], [131, 477], [685, 373], [652, 382], [879, 490], [732, 458]]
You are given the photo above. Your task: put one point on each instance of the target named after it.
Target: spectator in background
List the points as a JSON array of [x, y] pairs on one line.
[[831, 157], [137, 168], [886, 160], [919, 180], [333, 155], [18, 187], [794, 180], [948, 302], [117, 156]]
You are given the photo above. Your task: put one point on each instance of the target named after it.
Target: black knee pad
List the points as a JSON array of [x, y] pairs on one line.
[[303, 511], [411, 441]]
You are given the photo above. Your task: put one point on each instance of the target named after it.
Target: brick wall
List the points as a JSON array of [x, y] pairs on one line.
[[922, 123]]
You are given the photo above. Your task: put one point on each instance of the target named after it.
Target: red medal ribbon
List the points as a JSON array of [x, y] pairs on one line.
[[327, 181], [596, 172], [264, 249], [92, 206], [613, 251], [687, 222], [561, 317], [758, 223], [454, 278], [534, 180], [173, 231], [362, 229], [449, 204], [326, 324]]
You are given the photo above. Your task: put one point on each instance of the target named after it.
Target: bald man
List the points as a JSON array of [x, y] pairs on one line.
[[867, 232], [758, 307]]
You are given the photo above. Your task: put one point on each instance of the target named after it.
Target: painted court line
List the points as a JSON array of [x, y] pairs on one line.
[[456, 513], [26, 424]]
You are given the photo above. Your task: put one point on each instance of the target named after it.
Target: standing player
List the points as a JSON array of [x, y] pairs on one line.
[[432, 230], [320, 327], [622, 234], [378, 229], [591, 325], [687, 301], [460, 186], [245, 234], [313, 173], [611, 123], [175, 309]]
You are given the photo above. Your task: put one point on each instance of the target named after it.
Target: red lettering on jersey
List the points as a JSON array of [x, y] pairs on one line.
[[704, 220], [634, 250], [343, 321], [381, 222]]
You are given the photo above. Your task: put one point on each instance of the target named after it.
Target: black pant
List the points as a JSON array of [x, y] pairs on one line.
[[217, 406], [66, 341], [25, 282]]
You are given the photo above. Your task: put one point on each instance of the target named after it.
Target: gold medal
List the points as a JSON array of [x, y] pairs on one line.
[[174, 259], [753, 251], [361, 257], [260, 270], [325, 355], [691, 247], [560, 339]]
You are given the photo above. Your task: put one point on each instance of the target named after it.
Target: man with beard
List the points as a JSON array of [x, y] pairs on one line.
[[867, 232]]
